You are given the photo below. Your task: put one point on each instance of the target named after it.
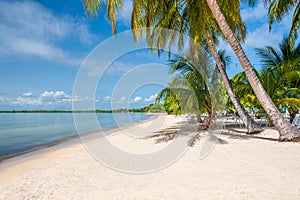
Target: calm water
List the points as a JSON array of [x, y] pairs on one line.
[[24, 131]]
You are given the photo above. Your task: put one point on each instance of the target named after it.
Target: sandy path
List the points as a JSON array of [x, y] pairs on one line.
[[239, 168]]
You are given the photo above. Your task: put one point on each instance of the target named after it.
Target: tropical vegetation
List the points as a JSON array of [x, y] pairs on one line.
[[195, 19], [188, 92], [286, 131], [280, 76], [205, 21]]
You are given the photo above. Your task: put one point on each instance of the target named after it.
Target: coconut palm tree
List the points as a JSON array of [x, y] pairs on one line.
[[171, 103], [286, 131], [199, 83], [194, 18], [220, 95], [185, 17], [188, 91], [226, 19], [280, 74]]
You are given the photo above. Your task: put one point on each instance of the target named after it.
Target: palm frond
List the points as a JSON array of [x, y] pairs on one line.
[[92, 7]]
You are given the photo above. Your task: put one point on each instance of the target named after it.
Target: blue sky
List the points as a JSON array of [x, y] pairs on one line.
[[44, 43]]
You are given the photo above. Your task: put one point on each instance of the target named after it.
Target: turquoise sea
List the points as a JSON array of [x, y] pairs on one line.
[[20, 132]]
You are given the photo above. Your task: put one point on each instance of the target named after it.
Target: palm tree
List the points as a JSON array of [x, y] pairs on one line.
[[188, 91], [186, 17], [198, 83], [286, 131], [171, 103], [219, 96], [194, 18], [280, 74], [249, 122]]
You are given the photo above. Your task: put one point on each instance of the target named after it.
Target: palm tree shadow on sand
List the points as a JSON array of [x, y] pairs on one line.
[[196, 133], [192, 130], [237, 134]]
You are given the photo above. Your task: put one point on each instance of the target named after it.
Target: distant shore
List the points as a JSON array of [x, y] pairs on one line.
[[146, 109]]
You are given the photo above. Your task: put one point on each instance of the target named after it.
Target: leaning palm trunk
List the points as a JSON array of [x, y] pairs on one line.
[[209, 112], [286, 131], [251, 125]]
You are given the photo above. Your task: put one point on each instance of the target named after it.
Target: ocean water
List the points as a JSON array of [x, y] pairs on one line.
[[20, 132]]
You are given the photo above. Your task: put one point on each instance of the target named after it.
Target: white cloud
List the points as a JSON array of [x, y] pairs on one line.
[[74, 99], [57, 94], [92, 99], [137, 99], [29, 29], [27, 94], [96, 66], [106, 98], [259, 13], [21, 101], [122, 100], [118, 68], [151, 98], [124, 15], [60, 98], [47, 98], [26, 101], [261, 37]]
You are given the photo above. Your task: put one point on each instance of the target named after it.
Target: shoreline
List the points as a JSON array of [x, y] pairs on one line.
[[19, 165], [238, 166], [76, 139]]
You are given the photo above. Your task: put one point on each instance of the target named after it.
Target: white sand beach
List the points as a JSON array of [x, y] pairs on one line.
[[238, 167]]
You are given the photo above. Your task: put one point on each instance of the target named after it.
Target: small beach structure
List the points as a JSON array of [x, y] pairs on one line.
[[296, 121]]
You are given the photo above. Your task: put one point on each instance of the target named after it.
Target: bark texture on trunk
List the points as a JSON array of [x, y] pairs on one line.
[[286, 131], [199, 119], [209, 111], [208, 122], [252, 126]]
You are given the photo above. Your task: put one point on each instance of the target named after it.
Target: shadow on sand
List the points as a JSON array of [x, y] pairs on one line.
[[195, 133], [241, 135]]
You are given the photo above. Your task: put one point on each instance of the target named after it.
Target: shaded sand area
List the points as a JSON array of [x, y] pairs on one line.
[[236, 167]]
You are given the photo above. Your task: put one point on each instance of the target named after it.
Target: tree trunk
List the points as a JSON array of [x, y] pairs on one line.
[[199, 119], [269, 121], [293, 113], [286, 131], [209, 110], [252, 126], [208, 122]]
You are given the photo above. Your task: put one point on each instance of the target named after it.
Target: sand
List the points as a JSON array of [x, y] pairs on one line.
[[237, 167]]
